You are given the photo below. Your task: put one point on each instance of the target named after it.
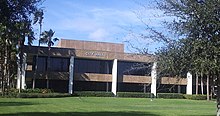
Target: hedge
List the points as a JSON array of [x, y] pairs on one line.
[[37, 90], [170, 95], [93, 94], [42, 95], [32, 93], [134, 94], [196, 97], [47, 93]]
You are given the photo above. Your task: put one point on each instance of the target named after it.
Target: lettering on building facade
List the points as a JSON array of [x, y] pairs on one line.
[[97, 54]]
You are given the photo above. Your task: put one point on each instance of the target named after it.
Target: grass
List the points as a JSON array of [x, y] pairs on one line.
[[96, 106]]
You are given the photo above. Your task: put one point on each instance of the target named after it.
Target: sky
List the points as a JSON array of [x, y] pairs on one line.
[[101, 20]]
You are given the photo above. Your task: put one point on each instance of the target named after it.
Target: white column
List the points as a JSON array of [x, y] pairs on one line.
[[189, 84], [114, 77], [24, 65], [71, 71], [154, 79]]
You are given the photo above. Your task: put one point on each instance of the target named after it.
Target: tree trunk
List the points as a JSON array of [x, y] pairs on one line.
[[179, 89], [211, 81], [2, 78], [36, 63], [38, 49], [218, 93], [207, 85], [202, 92], [21, 54], [48, 68], [197, 83], [4, 71], [202, 88], [8, 71]]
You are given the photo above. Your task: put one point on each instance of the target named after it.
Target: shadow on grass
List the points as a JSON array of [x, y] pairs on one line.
[[200, 115], [2, 104], [87, 114], [81, 114]]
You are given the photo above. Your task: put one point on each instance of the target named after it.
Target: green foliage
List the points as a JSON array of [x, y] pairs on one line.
[[198, 22], [93, 94], [197, 48], [172, 61], [135, 94], [15, 27], [170, 95], [47, 38], [36, 90], [42, 95], [180, 96], [13, 93], [195, 97]]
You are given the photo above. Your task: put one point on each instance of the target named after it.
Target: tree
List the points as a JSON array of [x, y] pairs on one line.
[[38, 18], [47, 38], [15, 27], [198, 21]]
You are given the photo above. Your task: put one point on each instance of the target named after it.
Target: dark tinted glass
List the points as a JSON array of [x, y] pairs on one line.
[[92, 66], [134, 68], [56, 64]]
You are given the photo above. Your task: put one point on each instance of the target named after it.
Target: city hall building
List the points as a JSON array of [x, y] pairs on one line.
[[76, 65]]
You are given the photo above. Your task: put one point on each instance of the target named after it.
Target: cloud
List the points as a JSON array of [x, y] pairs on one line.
[[80, 20], [99, 35], [96, 23]]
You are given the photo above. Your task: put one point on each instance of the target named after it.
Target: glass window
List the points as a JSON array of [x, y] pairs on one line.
[[41, 64], [59, 64], [93, 66], [56, 64], [134, 68]]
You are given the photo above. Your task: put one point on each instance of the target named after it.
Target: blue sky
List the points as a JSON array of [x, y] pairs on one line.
[[100, 20]]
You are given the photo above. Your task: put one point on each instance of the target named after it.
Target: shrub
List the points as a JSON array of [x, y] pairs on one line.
[[93, 94], [134, 94], [170, 95], [12, 93], [196, 97], [42, 95], [37, 90]]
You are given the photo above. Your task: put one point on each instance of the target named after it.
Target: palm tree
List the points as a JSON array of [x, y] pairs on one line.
[[38, 18], [47, 38]]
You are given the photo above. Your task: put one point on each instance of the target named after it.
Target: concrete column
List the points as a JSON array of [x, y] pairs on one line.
[[71, 75], [154, 79], [145, 88], [189, 84], [114, 77], [179, 88]]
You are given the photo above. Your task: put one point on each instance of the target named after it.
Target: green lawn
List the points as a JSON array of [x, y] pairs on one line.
[[99, 106]]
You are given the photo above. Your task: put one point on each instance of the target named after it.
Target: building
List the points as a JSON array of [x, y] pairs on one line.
[[92, 66]]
